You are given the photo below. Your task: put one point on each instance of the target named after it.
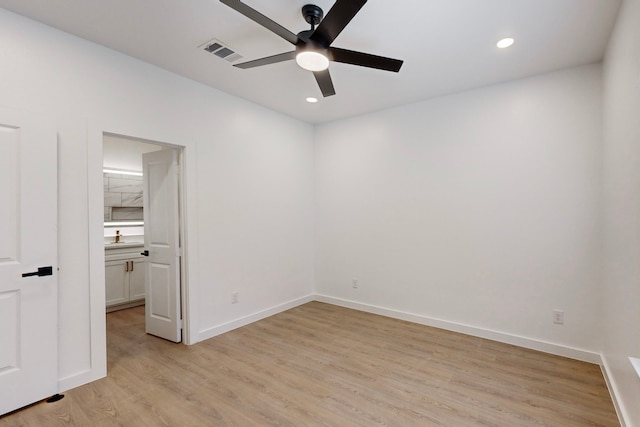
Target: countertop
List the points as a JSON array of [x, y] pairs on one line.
[[123, 245]]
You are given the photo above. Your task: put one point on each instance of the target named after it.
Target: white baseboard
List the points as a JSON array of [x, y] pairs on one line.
[[613, 391], [547, 347], [226, 327]]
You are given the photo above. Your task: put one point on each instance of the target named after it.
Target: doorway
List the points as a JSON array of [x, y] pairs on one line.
[[134, 217]]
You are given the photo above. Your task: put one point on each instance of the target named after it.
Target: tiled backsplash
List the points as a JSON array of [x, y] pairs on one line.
[[122, 197]]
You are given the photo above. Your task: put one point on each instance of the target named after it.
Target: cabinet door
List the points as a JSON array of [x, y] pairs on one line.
[[116, 282], [136, 279]]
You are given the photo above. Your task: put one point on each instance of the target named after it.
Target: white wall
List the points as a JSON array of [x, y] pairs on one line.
[[621, 294], [249, 181], [477, 211], [125, 153]]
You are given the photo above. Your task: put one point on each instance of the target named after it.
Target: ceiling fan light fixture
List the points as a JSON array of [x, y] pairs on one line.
[[312, 60], [504, 43]]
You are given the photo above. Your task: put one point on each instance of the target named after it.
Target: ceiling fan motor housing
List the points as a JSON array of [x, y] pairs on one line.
[[312, 14]]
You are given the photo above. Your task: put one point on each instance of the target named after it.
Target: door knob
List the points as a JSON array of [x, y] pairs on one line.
[[42, 271], [145, 253]]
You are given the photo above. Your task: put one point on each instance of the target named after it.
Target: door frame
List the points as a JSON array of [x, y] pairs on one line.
[[95, 187], [179, 149]]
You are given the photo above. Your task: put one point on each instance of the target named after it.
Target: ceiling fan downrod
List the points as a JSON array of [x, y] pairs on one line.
[[312, 14]]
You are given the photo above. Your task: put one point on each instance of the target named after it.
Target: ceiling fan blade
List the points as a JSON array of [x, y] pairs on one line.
[[281, 57], [336, 19], [324, 81], [259, 18], [364, 59]]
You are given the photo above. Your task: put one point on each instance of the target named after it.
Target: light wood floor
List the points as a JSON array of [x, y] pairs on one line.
[[321, 365]]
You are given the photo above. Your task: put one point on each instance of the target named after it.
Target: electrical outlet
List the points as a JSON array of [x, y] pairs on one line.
[[235, 296], [354, 283], [558, 317]]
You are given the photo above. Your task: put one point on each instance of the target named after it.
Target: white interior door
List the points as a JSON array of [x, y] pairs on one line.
[[28, 243], [162, 243]]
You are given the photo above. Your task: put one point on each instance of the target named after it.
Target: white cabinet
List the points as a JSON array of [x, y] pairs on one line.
[[124, 277], [136, 279]]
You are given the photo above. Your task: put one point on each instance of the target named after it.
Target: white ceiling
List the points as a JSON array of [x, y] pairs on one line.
[[447, 45]]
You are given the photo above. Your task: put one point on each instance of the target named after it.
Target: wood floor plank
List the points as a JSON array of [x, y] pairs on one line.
[[322, 365]]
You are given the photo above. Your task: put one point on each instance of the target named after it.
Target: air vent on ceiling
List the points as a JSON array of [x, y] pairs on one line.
[[220, 50]]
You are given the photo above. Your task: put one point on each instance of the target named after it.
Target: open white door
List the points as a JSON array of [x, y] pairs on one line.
[[162, 244], [28, 244]]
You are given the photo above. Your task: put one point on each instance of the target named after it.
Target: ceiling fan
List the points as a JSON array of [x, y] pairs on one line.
[[313, 47]]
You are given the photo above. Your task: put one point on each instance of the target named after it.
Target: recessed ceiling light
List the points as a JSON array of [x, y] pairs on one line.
[[312, 100], [506, 42]]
